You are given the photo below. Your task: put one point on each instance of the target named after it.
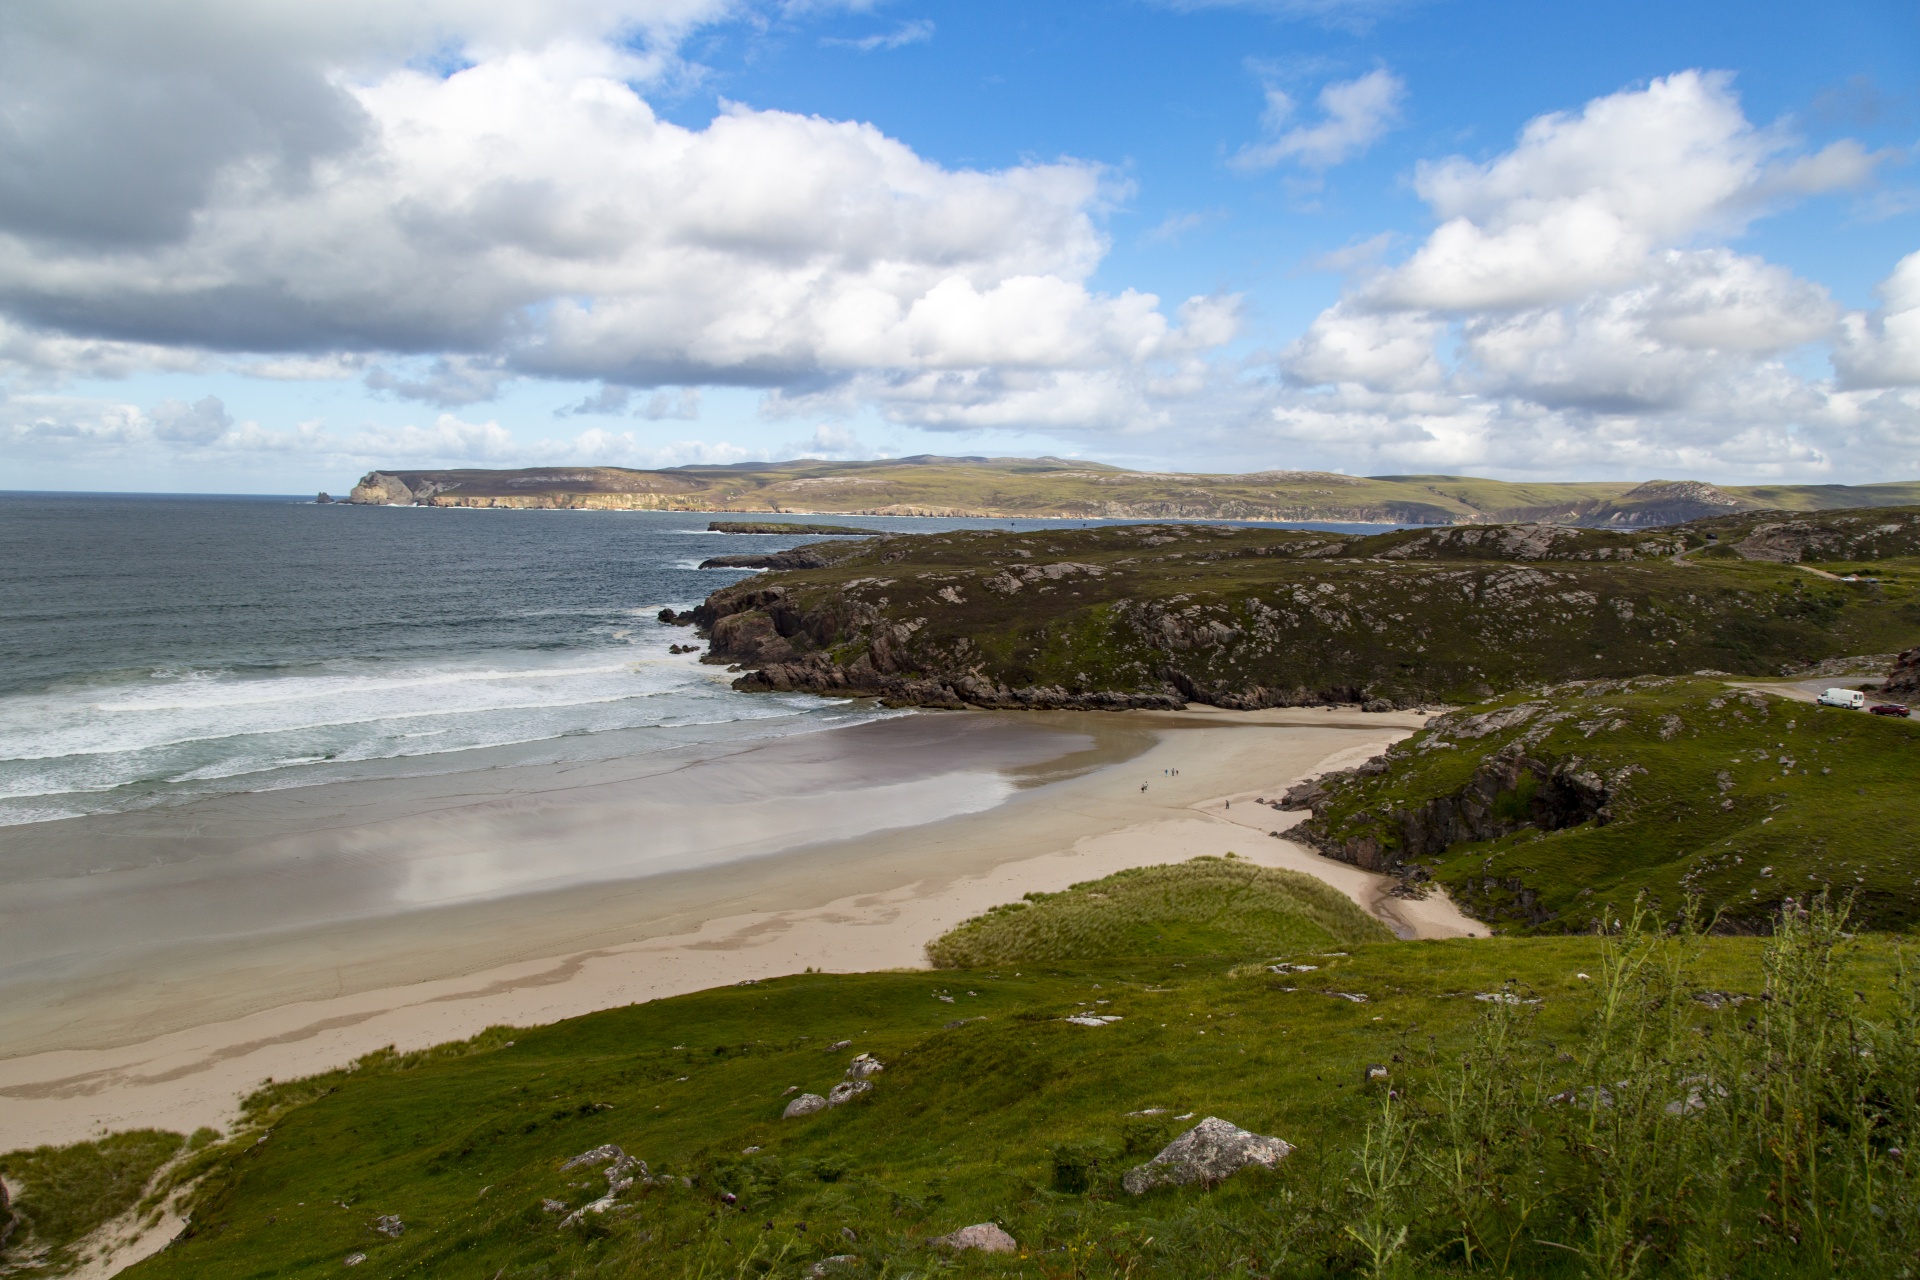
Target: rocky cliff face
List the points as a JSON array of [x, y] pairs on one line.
[[1512, 789], [378, 489]]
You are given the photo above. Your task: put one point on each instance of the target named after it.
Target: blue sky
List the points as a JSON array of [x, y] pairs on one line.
[[1540, 241]]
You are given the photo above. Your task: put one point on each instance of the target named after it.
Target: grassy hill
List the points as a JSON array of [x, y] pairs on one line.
[[1035, 487], [1152, 615], [1537, 811], [1642, 1104], [1206, 906]]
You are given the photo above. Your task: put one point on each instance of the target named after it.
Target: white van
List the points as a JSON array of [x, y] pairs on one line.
[[1851, 699]]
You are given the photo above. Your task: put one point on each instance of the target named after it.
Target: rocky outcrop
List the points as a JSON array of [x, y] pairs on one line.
[[1663, 502], [816, 673], [1866, 536], [378, 489], [1507, 791], [846, 1091], [986, 1237], [809, 557], [1903, 682], [1206, 1155], [793, 528]]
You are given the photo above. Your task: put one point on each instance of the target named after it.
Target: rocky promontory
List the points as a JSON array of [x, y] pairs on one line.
[[1246, 618]]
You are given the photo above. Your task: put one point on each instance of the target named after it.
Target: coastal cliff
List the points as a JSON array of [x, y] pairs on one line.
[[1002, 488], [1162, 615]]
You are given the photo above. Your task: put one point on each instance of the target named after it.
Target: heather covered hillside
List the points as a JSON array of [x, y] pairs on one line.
[[1159, 615]]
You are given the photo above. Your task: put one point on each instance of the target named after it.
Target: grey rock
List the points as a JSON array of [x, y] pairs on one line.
[[599, 1155], [354, 1259], [846, 1091], [604, 1204], [827, 1266], [987, 1237], [619, 1166], [554, 1206], [865, 1065], [389, 1225], [1206, 1154], [804, 1105]]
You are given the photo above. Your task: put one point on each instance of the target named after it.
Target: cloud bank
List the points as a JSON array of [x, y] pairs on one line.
[[443, 197], [1576, 305]]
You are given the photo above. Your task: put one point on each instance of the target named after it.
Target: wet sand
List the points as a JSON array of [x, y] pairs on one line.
[[279, 935]]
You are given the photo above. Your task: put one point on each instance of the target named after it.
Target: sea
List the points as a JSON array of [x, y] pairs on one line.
[[159, 649]]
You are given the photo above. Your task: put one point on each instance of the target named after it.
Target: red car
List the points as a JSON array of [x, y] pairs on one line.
[[1891, 709]]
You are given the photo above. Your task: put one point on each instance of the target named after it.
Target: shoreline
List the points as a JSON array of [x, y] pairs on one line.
[[177, 1048]]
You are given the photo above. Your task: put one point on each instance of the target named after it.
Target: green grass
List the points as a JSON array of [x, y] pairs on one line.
[[992, 1107], [1737, 798], [1209, 906], [1648, 1103], [66, 1192]]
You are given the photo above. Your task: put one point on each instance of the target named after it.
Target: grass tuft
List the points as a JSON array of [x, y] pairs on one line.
[[67, 1192]]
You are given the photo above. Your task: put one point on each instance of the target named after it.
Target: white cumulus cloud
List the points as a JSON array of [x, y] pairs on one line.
[[1354, 114], [1575, 306], [519, 209]]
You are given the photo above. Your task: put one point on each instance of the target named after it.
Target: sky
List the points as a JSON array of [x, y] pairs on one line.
[[268, 245]]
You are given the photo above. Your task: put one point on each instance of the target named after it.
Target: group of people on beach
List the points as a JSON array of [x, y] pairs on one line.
[[1170, 773]]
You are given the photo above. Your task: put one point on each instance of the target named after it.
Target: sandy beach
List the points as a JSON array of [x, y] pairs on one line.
[[284, 935]]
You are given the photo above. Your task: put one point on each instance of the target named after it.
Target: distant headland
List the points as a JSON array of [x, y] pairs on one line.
[[929, 485]]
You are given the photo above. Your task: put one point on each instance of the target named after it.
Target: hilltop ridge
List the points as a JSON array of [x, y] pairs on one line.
[[930, 485]]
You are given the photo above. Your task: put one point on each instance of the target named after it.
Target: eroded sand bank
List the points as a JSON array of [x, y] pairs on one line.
[[177, 1031]]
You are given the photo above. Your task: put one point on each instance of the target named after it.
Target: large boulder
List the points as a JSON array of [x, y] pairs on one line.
[[804, 1105], [987, 1237], [1209, 1153]]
